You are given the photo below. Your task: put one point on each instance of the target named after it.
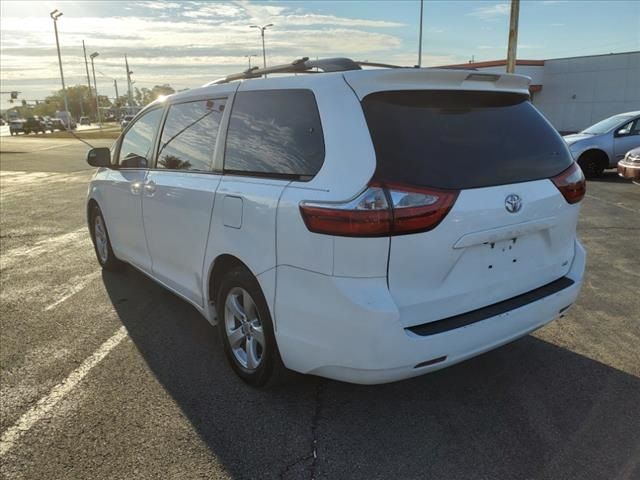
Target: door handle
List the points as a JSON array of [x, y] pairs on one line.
[[135, 188], [150, 188]]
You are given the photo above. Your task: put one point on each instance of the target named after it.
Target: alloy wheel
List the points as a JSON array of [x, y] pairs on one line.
[[244, 329]]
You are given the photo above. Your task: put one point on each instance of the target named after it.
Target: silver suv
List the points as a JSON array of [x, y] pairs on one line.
[[604, 144]]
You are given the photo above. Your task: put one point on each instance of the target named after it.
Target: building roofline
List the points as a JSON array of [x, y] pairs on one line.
[[532, 63], [596, 55], [499, 63]]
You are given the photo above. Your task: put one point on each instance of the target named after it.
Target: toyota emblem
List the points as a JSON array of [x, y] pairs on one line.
[[513, 203]]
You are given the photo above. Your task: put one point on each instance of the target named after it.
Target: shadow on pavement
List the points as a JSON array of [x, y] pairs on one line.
[[609, 176], [528, 410]]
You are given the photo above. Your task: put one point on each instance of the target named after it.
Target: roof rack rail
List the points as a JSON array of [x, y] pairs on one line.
[[383, 65], [302, 65]]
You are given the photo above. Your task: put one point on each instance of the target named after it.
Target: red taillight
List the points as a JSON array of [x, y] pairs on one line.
[[417, 209], [381, 210], [571, 183]]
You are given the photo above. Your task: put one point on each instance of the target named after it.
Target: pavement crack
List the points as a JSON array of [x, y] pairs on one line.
[[314, 426], [313, 454]]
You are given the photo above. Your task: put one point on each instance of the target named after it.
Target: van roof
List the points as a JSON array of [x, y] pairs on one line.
[[368, 80]]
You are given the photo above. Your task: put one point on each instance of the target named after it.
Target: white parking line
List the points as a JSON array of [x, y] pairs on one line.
[[57, 393], [73, 289], [69, 240], [614, 204]]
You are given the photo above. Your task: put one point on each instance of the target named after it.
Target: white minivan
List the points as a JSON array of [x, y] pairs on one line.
[[365, 225]]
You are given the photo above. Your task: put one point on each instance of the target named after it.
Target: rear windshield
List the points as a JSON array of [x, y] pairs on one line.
[[459, 140]]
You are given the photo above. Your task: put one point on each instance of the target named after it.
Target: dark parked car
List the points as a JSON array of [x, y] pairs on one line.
[[16, 126], [34, 124]]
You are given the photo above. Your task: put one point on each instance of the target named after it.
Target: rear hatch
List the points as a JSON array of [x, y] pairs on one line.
[[509, 230]]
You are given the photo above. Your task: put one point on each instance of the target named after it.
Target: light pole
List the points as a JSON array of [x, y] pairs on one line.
[[54, 16], [248, 57], [264, 53], [93, 69], [420, 36], [513, 36]]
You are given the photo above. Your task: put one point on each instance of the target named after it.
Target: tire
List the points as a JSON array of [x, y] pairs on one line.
[[102, 243], [244, 320], [591, 164]]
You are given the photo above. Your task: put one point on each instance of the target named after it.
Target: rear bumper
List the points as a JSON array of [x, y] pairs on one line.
[[629, 170], [350, 329]]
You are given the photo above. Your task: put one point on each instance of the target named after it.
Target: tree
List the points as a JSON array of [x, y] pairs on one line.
[[145, 96], [80, 102]]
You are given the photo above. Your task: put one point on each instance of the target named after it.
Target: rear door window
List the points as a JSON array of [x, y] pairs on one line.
[[189, 135], [275, 133], [460, 139]]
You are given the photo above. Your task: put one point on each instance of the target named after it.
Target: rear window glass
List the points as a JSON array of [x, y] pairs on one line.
[[275, 132], [458, 140]]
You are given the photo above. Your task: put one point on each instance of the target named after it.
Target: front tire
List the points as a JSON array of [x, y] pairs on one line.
[[592, 164], [246, 330], [102, 243]]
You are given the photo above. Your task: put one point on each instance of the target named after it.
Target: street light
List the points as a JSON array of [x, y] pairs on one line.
[[248, 57], [93, 68], [264, 53], [55, 15]]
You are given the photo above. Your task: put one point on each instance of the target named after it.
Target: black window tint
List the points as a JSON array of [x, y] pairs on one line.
[[137, 144], [461, 139], [275, 132], [189, 135]]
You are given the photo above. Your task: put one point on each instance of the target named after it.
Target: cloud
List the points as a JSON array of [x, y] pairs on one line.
[[158, 5], [491, 12], [310, 19]]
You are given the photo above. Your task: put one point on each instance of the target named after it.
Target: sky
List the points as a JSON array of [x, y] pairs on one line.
[[187, 44]]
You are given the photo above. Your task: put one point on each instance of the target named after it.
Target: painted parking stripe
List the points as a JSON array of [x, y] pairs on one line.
[[624, 207], [73, 289], [57, 393]]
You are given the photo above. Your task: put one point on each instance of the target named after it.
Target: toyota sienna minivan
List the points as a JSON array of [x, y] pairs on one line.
[[365, 225]]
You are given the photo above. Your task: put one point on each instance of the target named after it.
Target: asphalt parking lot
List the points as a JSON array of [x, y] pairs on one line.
[[84, 398]]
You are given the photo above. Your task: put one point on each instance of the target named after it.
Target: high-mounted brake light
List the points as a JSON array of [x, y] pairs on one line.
[[381, 210], [571, 183]]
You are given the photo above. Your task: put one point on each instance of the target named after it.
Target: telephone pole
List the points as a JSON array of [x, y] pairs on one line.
[[129, 72], [513, 36], [86, 66]]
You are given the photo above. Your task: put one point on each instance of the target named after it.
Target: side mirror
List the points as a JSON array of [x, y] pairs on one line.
[[99, 157]]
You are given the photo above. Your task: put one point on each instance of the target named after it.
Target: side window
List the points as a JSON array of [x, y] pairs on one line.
[[189, 135], [275, 132], [136, 149], [635, 128]]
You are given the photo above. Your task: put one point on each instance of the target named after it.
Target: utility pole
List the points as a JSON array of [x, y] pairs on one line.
[[93, 68], [420, 40], [115, 85], [129, 72], [54, 16], [513, 36], [86, 66], [264, 52]]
